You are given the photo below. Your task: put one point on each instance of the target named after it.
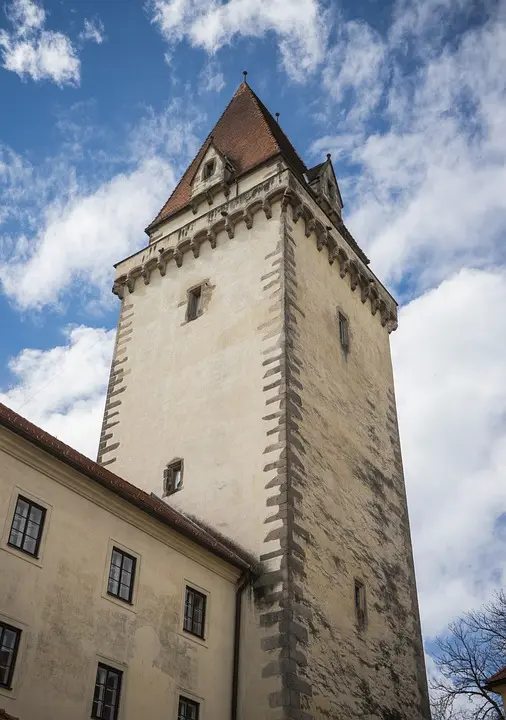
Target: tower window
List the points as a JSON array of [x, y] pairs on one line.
[[121, 575], [344, 333], [188, 709], [194, 309], [107, 693], [9, 643], [360, 604], [194, 612], [27, 526], [209, 169], [173, 477]]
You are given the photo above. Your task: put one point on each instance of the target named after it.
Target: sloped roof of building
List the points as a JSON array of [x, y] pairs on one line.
[[150, 504], [247, 135], [498, 679], [5, 716]]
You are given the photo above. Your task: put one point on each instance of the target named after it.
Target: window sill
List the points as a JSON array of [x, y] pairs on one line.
[[131, 607], [37, 561], [195, 638]]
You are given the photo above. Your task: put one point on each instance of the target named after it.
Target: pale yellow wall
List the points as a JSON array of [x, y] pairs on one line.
[[69, 625], [195, 390], [353, 505]]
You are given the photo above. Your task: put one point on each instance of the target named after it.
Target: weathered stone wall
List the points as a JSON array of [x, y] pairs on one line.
[[69, 623], [348, 496]]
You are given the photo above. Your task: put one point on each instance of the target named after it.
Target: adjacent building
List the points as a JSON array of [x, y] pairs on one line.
[[112, 605]]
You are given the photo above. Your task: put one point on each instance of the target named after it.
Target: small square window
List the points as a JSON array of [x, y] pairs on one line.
[[360, 603], [107, 693], [344, 332], [121, 575], [194, 308], [27, 526], [188, 709], [173, 477], [209, 169], [194, 612], [9, 644]]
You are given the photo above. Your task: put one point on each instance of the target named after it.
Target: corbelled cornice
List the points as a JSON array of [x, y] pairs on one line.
[[283, 188]]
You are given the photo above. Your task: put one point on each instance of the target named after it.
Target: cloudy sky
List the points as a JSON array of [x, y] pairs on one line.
[[104, 103]]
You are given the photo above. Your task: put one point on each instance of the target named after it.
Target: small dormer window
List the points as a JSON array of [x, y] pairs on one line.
[[209, 169]]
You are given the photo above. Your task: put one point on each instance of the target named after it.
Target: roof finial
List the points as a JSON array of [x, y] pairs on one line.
[[245, 73], [277, 118], [329, 156]]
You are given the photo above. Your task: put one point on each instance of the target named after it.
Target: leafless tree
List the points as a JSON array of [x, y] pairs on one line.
[[473, 649]]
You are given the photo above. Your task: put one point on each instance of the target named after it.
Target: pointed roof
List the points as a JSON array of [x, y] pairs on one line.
[[247, 135]]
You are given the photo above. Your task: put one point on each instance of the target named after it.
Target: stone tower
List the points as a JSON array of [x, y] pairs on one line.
[[252, 388]]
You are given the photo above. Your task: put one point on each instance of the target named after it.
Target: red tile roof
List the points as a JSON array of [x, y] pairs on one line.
[[498, 679], [149, 504], [247, 135]]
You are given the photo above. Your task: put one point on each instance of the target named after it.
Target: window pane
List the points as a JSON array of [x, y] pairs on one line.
[[30, 545], [36, 515], [22, 508]]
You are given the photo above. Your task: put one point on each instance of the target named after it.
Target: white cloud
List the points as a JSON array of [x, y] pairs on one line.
[[63, 389], [354, 65], [211, 78], [451, 390], [93, 31], [427, 199], [301, 26], [31, 51], [84, 230]]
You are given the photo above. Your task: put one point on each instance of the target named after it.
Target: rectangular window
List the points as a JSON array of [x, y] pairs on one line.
[[173, 477], [194, 303], [121, 575], [344, 335], [188, 709], [107, 693], [360, 603], [27, 526], [9, 643], [194, 612]]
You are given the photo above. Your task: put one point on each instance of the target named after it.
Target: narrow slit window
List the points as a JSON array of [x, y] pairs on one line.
[[9, 644], [208, 170], [188, 709], [27, 526], [360, 603], [107, 693], [194, 612], [194, 303], [121, 575], [173, 477], [344, 332]]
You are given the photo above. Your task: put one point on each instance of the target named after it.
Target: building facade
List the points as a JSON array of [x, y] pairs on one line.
[[112, 605], [252, 388]]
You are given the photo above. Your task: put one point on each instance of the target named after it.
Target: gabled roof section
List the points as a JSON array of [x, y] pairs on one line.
[[247, 135], [498, 679]]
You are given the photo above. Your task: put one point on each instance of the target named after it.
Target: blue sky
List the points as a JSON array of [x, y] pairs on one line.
[[103, 105]]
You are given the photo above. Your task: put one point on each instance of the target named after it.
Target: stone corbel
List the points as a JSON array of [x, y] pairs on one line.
[[333, 249], [212, 237], [297, 212], [266, 207], [392, 324], [118, 287], [132, 277], [195, 207], [195, 248], [310, 226], [248, 218], [229, 227], [342, 258], [209, 197], [365, 287], [321, 240], [178, 257], [163, 258], [287, 199], [354, 276]]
